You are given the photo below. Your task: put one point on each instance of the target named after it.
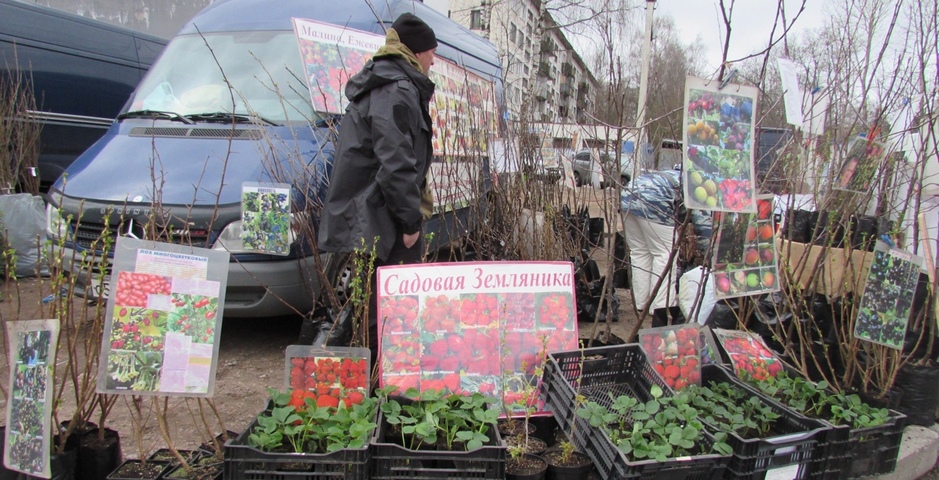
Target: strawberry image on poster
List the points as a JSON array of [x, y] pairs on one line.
[[674, 353], [556, 311], [331, 379], [750, 357], [399, 334], [480, 309], [440, 314]]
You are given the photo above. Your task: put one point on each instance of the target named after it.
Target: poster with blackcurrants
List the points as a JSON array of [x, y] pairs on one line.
[[163, 319], [265, 218], [887, 300], [745, 257], [474, 327], [719, 146], [28, 441]]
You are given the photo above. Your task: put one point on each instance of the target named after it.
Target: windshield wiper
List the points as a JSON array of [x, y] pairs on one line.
[[155, 114], [228, 117]]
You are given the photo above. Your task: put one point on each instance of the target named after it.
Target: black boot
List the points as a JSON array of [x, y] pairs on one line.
[[659, 317]]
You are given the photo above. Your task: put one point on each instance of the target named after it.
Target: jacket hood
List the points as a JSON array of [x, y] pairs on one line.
[[393, 62]]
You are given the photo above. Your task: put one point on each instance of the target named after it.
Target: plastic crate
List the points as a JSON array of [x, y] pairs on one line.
[[793, 453], [617, 370], [391, 461], [244, 462]]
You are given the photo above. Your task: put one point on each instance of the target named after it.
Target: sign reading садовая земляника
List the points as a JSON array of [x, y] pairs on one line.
[[29, 435], [163, 319]]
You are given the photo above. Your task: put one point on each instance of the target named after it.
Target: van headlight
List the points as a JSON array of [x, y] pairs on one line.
[[57, 227], [232, 238]]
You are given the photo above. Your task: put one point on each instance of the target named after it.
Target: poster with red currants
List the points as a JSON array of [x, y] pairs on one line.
[[718, 171], [745, 260], [163, 319], [475, 326], [748, 354], [29, 435]]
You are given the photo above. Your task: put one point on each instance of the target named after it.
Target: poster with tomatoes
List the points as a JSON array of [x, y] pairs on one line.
[[328, 375], [745, 260], [675, 353], [719, 145], [475, 326], [163, 319], [29, 434], [462, 109], [749, 355]]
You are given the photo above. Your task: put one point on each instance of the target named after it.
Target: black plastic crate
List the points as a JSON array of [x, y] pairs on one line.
[[617, 370], [244, 462], [391, 461], [792, 453], [845, 452]]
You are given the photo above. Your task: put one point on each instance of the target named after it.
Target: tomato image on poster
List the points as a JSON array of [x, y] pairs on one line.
[[488, 340], [719, 146]]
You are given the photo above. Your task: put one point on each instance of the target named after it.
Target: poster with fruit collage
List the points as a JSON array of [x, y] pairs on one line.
[[327, 375], [462, 110], [748, 354], [719, 144], [163, 319], [474, 327], [745, 259]]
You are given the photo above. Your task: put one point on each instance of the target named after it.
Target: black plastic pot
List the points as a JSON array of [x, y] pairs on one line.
[[96, 457], [920, 387], [538, 475], [580, 471], [130, 470]]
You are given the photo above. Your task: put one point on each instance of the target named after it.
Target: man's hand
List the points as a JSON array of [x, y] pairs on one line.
[[411, 238]]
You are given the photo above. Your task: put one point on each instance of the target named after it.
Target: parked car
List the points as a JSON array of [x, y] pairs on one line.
[[82, 72], [588, 162], [227, 103]]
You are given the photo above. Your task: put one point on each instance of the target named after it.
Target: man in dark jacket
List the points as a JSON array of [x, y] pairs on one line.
[[383, 153]]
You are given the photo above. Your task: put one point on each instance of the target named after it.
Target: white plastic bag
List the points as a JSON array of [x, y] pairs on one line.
[[689, 297]]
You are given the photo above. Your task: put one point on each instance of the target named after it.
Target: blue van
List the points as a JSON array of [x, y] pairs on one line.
[[227, 103], [82, 73]]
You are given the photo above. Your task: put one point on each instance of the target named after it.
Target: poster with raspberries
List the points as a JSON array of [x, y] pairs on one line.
[[327, 375], [163, 319], [475, 326], [745, 259], [749, 355], [675, 353], [719, 145]]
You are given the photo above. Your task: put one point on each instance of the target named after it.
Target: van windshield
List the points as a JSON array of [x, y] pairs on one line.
[[263, 68]]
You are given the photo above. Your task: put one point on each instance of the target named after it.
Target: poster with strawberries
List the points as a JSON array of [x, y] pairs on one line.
[[749, 355], [462, 109], [719, 146], [475, 326], [163, 319], [675, 353], [29, 434], [745, 260], [327, 375]]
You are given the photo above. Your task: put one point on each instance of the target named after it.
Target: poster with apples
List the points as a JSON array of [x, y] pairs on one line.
[[887, 300], [475, 326], [163, 319], [749, 355], [29, 434], [719, 146], [675, 353], [745, 259]]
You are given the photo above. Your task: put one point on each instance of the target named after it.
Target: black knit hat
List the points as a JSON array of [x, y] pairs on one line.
[[414, 33]]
